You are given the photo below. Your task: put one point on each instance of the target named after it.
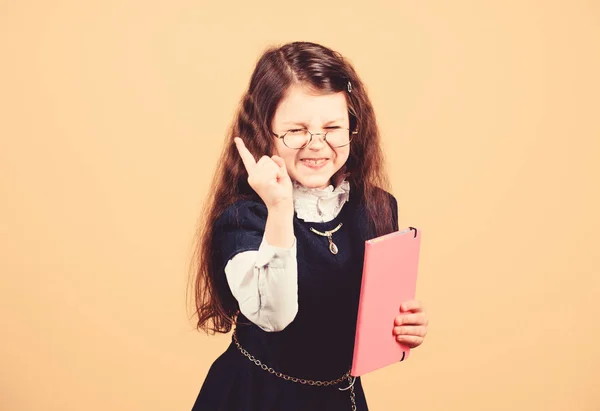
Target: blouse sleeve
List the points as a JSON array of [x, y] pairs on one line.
[[262, 278], [265, 284]]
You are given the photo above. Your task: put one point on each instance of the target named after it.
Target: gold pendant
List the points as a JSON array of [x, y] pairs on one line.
[[332, 247]]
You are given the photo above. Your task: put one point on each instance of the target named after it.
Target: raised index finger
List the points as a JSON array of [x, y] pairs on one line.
[[247, 157]]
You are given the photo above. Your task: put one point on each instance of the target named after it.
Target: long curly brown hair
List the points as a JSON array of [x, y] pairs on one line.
[[321, 69]]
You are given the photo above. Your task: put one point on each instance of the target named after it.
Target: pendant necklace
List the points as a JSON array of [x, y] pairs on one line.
[[332, 247]]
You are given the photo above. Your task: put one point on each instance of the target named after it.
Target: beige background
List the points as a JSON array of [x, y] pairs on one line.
[[112, 114]]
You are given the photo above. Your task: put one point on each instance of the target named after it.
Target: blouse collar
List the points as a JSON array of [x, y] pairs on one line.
[[320, 205]]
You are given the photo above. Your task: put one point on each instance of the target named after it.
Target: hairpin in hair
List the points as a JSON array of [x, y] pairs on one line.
[[349, 87]]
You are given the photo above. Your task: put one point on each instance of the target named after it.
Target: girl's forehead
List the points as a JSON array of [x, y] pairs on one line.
[[303, 105]]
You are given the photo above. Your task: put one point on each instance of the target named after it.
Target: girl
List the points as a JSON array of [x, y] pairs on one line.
[[300, 187]]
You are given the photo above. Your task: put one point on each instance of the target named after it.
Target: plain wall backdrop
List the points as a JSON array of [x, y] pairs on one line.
[[112, 116]]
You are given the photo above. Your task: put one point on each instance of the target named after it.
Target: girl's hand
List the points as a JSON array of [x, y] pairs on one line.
[[410, 327], [268, 177]]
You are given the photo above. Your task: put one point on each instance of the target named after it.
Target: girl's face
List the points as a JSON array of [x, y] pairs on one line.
[[314, 165]]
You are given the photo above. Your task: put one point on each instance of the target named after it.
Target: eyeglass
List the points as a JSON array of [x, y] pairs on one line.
[[301, 137]]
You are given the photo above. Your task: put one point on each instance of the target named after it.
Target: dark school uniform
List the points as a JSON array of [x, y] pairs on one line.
[[318, 344]]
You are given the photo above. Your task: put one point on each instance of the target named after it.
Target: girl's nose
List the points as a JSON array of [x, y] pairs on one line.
[[317, 142]]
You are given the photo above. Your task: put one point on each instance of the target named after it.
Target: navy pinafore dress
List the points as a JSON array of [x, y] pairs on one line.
[[319, 343]]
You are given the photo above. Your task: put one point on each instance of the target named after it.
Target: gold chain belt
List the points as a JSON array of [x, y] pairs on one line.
[[265, 367]]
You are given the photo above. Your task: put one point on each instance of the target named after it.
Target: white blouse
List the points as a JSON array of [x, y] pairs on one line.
[[265, 281]]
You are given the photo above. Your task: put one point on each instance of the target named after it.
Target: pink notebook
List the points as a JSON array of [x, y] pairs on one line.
[[389, 279]]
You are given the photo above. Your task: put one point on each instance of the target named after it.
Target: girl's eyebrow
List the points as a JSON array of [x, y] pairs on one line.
[[306, 125]]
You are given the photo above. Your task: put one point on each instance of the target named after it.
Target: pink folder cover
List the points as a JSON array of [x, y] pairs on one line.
[[389, 278]]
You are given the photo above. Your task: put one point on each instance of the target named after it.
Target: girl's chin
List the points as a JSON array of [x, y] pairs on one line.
[[314, 182]]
